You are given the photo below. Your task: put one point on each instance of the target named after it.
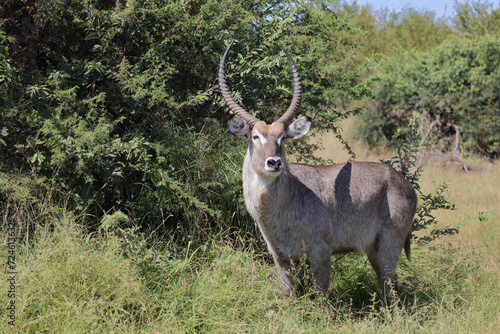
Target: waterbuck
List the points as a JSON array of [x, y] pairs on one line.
[[318, 211]]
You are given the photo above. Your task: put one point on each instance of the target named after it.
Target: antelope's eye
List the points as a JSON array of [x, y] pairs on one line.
[[255, 137]]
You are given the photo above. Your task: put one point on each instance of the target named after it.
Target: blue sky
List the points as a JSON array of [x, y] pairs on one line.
[[440, 7]]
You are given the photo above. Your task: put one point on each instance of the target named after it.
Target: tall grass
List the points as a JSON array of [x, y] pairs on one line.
[[70, 281]]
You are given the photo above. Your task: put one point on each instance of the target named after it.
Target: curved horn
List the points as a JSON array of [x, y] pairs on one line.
[[297, 93], [231, 103]]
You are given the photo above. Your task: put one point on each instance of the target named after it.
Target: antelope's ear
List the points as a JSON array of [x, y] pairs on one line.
[[299, 128], [239, 128]]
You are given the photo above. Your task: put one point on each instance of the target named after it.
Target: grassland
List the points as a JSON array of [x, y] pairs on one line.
[[68, 281]]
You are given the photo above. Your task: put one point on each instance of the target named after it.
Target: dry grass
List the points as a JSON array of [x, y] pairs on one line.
[[476, 194]]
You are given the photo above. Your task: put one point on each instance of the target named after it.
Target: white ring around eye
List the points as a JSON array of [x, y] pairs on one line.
[[261, 137]]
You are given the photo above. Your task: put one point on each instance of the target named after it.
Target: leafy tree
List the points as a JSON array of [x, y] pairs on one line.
[[476, 18], [389, 32]]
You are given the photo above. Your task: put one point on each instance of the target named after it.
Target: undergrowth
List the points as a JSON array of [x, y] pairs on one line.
[[70, 281]]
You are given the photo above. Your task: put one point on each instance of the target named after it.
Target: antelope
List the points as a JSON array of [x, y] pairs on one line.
[[318, 211]]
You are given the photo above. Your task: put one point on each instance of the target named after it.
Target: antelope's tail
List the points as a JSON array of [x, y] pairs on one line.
[[407, 246]]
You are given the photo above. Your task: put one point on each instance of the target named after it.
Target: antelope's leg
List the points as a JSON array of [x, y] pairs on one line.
[[321, 268], [284, 269]]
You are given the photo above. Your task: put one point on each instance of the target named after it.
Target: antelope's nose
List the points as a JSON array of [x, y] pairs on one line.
[[273, 164]]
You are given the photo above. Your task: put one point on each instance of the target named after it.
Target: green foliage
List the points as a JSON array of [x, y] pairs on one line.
[[407, 147], [476, 18], [443, 69], [424, 217], [117, 102], [454, 88], [387, 33]]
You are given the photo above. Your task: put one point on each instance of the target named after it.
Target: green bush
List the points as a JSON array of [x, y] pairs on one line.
[[454, 88]]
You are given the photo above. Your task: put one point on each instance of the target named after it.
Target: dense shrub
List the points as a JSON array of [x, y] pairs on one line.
[[454, 87]]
